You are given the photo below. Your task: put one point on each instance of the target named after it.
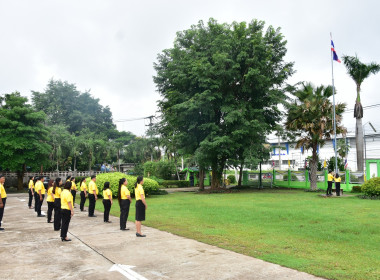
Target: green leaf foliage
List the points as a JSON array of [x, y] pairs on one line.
[[372, 187], [161, 169]]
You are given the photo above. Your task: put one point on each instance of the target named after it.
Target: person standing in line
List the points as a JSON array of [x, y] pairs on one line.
[[124, 197], [50, 200], [140, 205], [107, 201], [31, 191], [337, 180], [3, 198], [73, 189], [330, 178], [40, 190], [57, 203], [36, 199], [67, 210], [83, 193], [92, 196]]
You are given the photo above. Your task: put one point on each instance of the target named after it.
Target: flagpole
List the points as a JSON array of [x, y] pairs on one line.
[[333, 88]]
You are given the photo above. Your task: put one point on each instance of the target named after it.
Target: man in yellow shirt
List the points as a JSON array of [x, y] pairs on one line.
[[330, 178], [67, 210], [31, 191], [3, 198], [39, 195], [92, 196]]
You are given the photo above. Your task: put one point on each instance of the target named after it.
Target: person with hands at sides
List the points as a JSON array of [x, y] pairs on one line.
[[73, 189], [337, 180], [3, 198], [67, 210], [50, 200], [57, 203], [39, 189], [92, 196], [107, 201], [83, 193], [140, 205], [31, 191], [124, 197], [330, 179]]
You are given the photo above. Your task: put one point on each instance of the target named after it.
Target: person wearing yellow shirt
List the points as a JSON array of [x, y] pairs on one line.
[[57, 203], [67, 210], [124, 197], [40, 190], [31, 191], [140, 205], [73, 189], [83, 193], [3, 198], [92, 196], [50, 201], [330, 178], [107, 201], [337, 180]]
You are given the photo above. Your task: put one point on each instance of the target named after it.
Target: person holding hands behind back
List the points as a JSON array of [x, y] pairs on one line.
[[107, 201], [67, 210], [124, 197], [140, 205], [92, 196]]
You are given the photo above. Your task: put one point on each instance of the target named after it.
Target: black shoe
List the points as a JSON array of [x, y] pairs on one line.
[[140, 235], [83, 210], [50, 222], [40, 215], [57, 229], [1, 228], [92, 216], [67, 240], [124, 229], [108, 222]]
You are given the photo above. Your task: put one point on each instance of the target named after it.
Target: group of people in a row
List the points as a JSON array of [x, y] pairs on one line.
[[62, 201], [332, 177]]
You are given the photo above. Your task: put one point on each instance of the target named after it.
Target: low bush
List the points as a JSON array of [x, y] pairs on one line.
[[372, 187], [356, 189], [160, 169], [293, 177], [231, 178], [175, 184], [150, 186]]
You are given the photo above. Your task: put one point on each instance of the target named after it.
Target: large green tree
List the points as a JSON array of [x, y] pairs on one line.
[[23, 136], [359, 71], [310, 119], [220, 86]]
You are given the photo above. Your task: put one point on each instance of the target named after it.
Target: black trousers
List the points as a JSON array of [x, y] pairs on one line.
[[82, 200], [2, 210], [36, 199], [329, 187], [57, 214], [124, 212], [66, 217], [38, 203], [91, 206], [337, 188], [30, 198], [74, 194], [50, 210], [107, 208]]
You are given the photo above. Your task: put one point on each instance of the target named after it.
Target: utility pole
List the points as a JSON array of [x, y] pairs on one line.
[[279, 152]]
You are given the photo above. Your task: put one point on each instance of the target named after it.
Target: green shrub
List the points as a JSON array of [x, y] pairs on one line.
[[372, 187], [356, 189], [175, 184], [293, 177], [158, 180], [231, 179], [150, 186], [160, 169]]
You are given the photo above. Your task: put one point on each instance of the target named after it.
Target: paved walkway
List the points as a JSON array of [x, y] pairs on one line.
[[30, 249]]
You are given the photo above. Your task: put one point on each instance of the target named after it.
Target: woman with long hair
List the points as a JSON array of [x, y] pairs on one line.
[[107, 201], [124, 197], [31, 191], [50, 200], [57, 203], [67, 210], [83, 193], [337, 180], [140, 205]]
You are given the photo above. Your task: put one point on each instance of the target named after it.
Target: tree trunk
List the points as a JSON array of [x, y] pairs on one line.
[[359, 144], [20, 182], [240, 175], [75, 163], [201, 179], [313, 169]]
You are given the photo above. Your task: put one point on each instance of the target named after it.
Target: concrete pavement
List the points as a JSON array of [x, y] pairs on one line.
[[31, 249]]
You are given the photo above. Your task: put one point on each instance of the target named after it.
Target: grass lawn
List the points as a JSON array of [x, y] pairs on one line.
[[336, 238]]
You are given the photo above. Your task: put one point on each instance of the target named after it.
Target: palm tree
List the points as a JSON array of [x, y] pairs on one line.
[[359, 71], [310, 119]]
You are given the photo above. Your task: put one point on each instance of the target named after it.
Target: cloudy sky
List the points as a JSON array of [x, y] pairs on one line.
[[109, 46]]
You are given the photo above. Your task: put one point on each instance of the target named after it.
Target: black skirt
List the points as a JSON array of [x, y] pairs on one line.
[[140, 211]]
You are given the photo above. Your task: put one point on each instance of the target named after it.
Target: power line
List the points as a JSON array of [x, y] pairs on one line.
[[365, 107], [134, 119]]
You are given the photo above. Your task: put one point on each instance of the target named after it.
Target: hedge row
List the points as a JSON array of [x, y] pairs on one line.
[[175, 184]]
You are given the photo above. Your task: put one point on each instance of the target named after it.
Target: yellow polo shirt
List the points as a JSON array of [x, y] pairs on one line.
[[50, 196], [139, 191], [338, 180], [330, 177], [66, 197], [39, 187], [57, 193], [2, 191], [124, 192], [92, 187], [83, 187], [31, 184], [73, 186], [107, 194]]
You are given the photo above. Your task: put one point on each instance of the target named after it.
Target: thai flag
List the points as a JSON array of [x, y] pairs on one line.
[[345, 164], [335, 56]]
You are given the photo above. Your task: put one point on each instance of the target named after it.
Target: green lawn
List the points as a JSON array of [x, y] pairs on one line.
[[336, 238]]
